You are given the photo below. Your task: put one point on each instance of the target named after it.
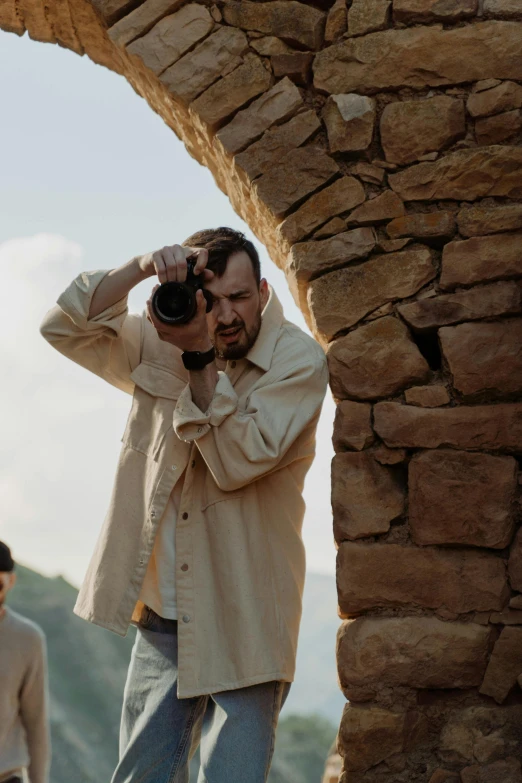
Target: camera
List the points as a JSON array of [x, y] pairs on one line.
[[175, 303]]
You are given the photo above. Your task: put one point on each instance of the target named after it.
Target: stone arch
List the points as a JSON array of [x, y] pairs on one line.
[[374, 147]]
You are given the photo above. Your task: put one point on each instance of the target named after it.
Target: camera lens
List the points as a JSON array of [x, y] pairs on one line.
[[174, 303]]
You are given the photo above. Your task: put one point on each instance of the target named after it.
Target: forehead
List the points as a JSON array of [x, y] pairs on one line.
[[239, 275]]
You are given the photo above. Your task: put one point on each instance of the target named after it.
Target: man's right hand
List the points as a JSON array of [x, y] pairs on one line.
[[170, 263]]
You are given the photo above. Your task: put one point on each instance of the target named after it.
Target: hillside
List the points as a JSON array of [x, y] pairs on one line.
[[87, 668]]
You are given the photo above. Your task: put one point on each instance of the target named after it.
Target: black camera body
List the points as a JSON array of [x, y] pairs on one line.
[[175, 303]]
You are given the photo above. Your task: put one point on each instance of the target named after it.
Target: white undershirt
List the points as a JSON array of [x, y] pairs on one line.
[[159, 586]]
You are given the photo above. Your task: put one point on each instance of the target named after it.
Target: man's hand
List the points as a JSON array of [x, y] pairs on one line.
[[170, 263], [192, 336]]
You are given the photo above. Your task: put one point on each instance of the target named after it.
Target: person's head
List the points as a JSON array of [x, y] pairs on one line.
[[7, 572], [239, 292]]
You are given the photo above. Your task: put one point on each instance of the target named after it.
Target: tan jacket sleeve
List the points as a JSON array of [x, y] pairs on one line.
[[108, 345], [241, 446], [34, 714]]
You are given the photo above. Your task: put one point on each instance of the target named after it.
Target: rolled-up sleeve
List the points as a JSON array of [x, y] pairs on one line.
[[108, 345], [240, 446]]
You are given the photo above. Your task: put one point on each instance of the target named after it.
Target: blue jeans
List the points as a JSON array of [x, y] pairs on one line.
[[160, 733]]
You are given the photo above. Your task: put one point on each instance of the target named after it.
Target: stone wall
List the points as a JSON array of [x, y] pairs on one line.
[[375, 147]]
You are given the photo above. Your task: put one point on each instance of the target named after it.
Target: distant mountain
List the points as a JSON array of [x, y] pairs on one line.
[[88, 666]]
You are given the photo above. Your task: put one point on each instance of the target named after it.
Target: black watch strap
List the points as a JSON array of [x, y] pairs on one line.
[[197, 360]]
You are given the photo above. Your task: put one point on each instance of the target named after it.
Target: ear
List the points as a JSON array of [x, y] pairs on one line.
[[264, 293]]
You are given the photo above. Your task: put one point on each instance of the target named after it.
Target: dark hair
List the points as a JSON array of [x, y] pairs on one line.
[[6, 561], [222, 243]]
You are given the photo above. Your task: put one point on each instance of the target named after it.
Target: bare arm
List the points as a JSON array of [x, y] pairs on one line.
[[203, 385]]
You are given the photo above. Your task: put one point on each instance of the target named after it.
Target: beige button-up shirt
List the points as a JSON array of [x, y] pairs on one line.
[[240, 561]]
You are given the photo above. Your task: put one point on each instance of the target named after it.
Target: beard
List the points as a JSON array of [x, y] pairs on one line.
[[245, 340]]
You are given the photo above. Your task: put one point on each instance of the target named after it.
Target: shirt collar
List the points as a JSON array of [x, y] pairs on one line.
[[271, 321]]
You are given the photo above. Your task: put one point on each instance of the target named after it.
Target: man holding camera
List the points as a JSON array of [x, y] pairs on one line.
[[201, 547], [24, 727]]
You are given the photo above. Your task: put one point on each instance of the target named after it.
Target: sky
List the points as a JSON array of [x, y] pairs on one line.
[[90, 177]]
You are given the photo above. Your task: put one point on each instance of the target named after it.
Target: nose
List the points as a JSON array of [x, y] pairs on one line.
[[225, 312]]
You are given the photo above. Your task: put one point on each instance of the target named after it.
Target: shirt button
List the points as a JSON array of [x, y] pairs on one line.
[[185, 515], [174, 467], [153, 513], [200, 429], [186, 618], [184, 567]]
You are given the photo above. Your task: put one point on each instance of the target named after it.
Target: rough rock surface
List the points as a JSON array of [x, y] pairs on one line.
[[505, 665], [489, 301], [366, 16], [485, 358], [515, 563], [379, 209], [410, 129], [417, 652], [485, 219], [466, 174], [480, 259], [349, 121], [352, 426], [142, 19], [501, 98], [501, 127], [343, 297], [495, 428], [420, 56], [390, 575], [480, 734], [433, 10], [460, 498], [427, 396], [366, 497], [294, 22], [376, 360], [172, 37], [505, 771], [423, 225]]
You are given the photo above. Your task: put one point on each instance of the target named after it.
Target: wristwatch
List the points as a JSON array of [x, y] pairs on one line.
[[197, 360]]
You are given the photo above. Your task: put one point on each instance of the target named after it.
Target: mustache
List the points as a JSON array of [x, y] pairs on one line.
[[235, 325]]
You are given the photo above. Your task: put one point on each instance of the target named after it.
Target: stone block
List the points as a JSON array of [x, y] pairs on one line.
[[344, 194], [112, 10], [418, 57], [141, 20], [297, 174], [505, 665], [433, 10], [275, 106], [506, 9], [334, 226], [386, 456], [369, 735], [501, 127], [370, 576], [484, 358], [276, 142], [427, 396], [366, 497], [482, 219], [456, 497], [466, 174], [516, 601], [444, 776], [10, 21], [506, 617], [171, 37], [489, 301], [480, 734], [365, 16], [349, 120], [196, 71], [385, 206], [376, 360], [505, 771], [481, 259], [515, 563], [223, 98], [269, 46], [368, 173], [414, 652], [409, 129], [295, 23], [336, 21], [423, 225], [297, 66], [342, 298], [495, 428], [352, 426], [505, 96], [310, 259]]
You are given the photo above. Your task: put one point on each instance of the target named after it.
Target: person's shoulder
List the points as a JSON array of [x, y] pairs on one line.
[[26, 628], [296, 348]]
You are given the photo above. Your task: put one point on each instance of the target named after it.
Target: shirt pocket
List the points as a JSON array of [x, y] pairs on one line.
[[212, 496], [149, 425]]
